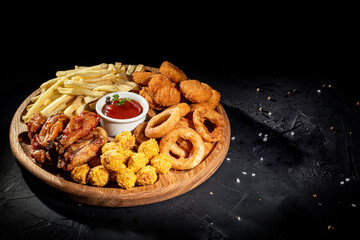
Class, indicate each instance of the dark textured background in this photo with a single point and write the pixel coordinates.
(296, 191)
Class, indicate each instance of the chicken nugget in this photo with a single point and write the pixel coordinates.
(150, 148)
(194, 91)
(126, 140)
(80, 173)
(161, 162)
(98, 176)
(158, 81)
(167, 96)
(146, 176)
(113, 160)
(143, 78)
(137, 161)
(126, 178)
(145, 93)
(172, 72)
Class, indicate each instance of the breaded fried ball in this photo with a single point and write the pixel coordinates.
(150, 148)
(98, 176)
(194, 91)
(172, 72)
(145, 93)
(126, 178)
(110, 146)
(161, 162)
(80, 173)
(113, 160)
(126, 140)
(146, 176)
(137, 161)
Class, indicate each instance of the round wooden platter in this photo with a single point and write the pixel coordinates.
(169, 185)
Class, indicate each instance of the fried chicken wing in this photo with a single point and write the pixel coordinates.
(78, 127)
(35, 124)
(83, 149)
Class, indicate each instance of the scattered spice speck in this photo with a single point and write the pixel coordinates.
(239, 218)
(233, 138)
(237, 180)
(265, 139)
(228, 159)
(315, 195)
(318, 91)
(342, 182)
(260, 109)
(292, 133)
(253, 174)
(244, 173)
(269, 98)
(261, 159)
(211, 193)
(347, 179)
(270, 113)
(353, 205)
(260, 134)
(358, 103)
(258, 89)
(332, 128)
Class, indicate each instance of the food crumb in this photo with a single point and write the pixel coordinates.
(228, 159)
(258, 89)
(347, 179)
(237, 180)
(269, 98)
(353, 205)
(238, 218)
(253, 174)
(244, 173)
(233, 138)
(330, 227)
(342, 183)
(265, 139)
(270, 113)
(358, 103)
(260, 134)
(292, 133)
(211, 193)
(261, 159)
(315, 195)
(332, 128)
(318, 91)
(260, 109)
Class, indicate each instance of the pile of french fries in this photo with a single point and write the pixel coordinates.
(75, 90)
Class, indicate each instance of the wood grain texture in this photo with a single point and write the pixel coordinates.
(170, 185)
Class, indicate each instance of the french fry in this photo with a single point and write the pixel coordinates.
(74, 84)
(130, 69)
(47, 94)
(49, 83)
(80, 91)
(140, 68)
(48, 110)
(72, 107)
(73, 72)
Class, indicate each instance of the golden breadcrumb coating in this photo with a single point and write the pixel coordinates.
(137, 161)
(161, 162)
(146, 176)
(110, 146)
(98, 176)
(126, 178)
(126, 140)
(150, 148)
(113, 160)
(80, 173)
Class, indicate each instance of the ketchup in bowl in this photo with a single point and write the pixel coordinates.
(121, 108)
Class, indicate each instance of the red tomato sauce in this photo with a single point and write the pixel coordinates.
(127, 110)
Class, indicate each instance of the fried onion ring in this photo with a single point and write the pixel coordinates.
(163, 123)
(196, 155)
(139, 133)
(200, 115)
(184, 107)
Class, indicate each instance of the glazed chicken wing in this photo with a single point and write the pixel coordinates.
(43, 135)
(78, 127)
(83, 149)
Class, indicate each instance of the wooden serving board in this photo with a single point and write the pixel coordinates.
(169, 185)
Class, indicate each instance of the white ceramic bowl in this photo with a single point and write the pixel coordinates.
(115, 126)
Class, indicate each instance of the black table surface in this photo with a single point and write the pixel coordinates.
(292, 169)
